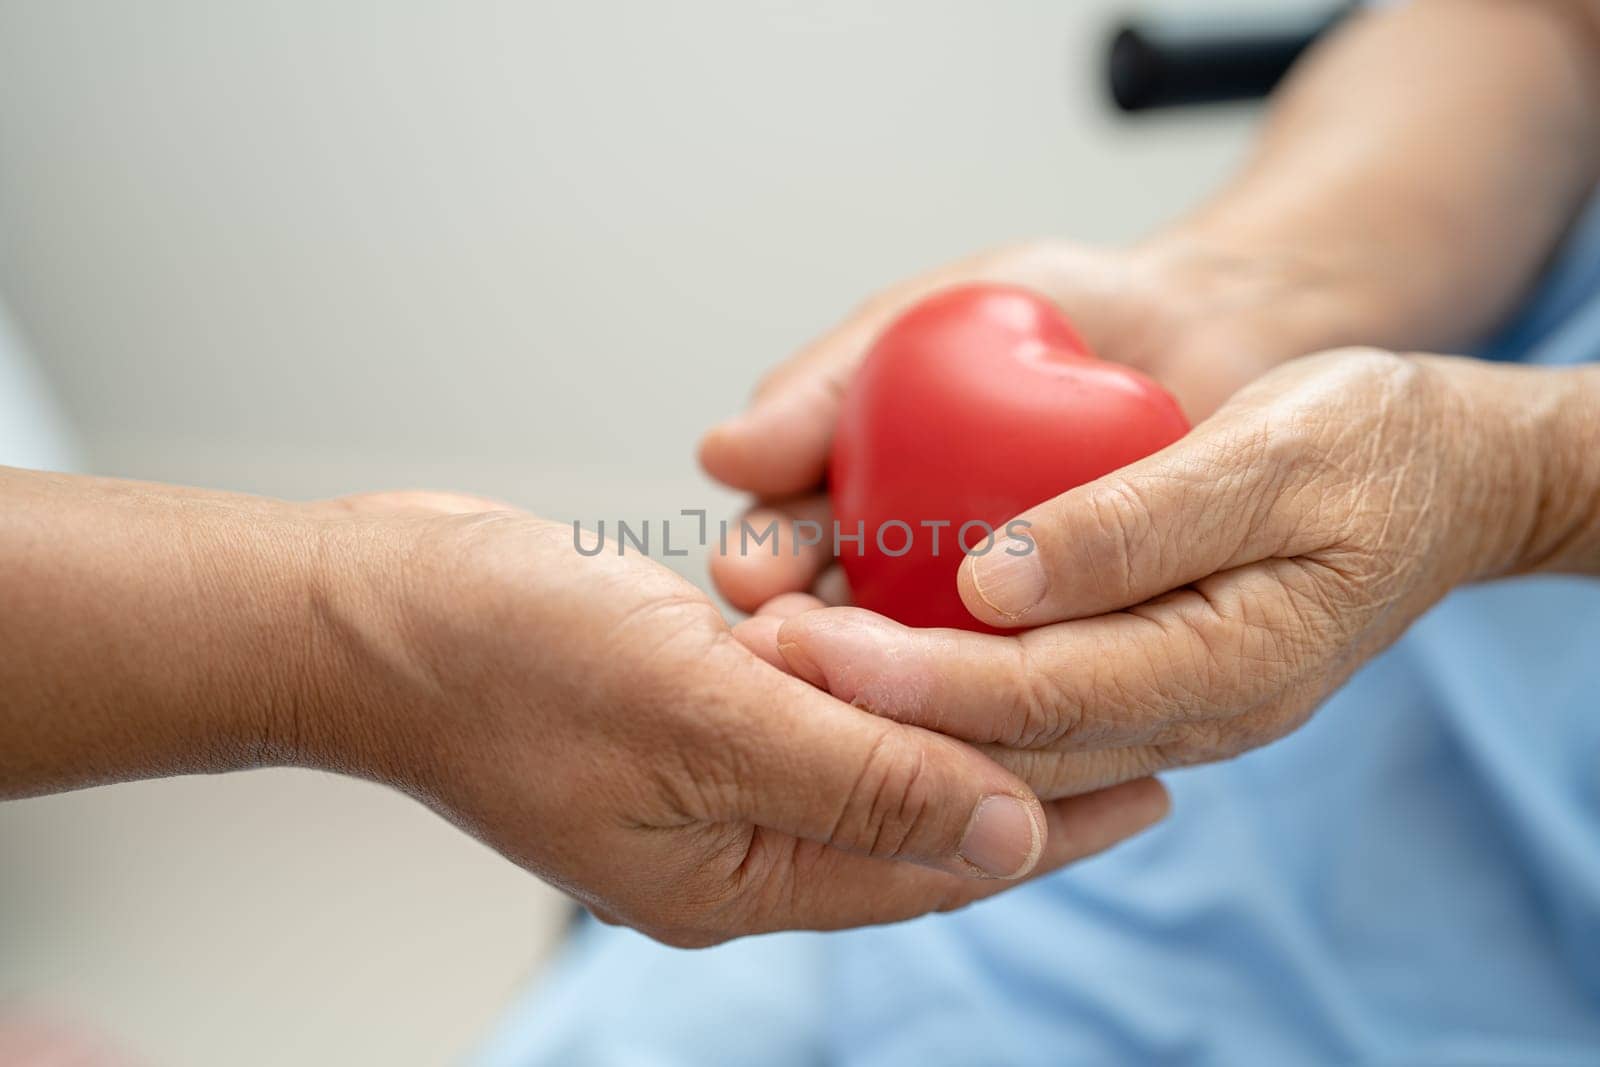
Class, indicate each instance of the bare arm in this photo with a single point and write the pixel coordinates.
(1412, 177)
(592, 718)
(146, 630)
(1425, 160)
(1421, 165)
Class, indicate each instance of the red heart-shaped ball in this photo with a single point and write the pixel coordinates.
(974, 405)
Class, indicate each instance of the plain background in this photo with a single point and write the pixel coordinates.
(304, 247)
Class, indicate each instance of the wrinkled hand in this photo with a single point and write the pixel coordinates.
(1205, 600)
(1200, 319)
(595, 721)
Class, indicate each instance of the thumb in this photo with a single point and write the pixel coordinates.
(819, 769)
(1203, 504)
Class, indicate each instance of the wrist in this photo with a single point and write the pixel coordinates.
(157, 630)
(356, 683)
(1529, 480)
(274, 566)
(415, 596)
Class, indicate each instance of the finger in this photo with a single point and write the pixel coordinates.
(978, 711)
(759, 633)
(1053, 774)
(772, 550)
(1212, 652)
(1202, 505)
(982, 688)
(779, 446)
(822, 888)
(802, 763)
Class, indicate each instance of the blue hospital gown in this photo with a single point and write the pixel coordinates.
(1413, 877)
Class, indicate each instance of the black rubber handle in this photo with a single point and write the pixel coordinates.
(1178, 62)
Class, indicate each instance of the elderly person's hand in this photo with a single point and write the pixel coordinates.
(1201, 316)
(1205, 600)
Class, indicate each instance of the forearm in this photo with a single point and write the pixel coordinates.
(146, 630)
(1419, 167)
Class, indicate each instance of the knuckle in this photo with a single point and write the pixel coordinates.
(1232, 658)
(1240, 650)
(889, 801)
(1046, 710)
(1183, 673)
(1118, 513)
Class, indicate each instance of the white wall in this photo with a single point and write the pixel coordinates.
(308, 246)
(329, 241)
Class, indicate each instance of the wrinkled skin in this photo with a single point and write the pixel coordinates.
(1203, 601)
(1200, 319)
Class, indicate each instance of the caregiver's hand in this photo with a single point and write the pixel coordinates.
(591, 718)
(1199, 315)
(1205, 600)
(594, 720)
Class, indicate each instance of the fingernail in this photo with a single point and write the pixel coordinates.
(1009, 583)
(1003, 840)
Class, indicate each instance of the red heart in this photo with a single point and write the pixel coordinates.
(974, 405)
